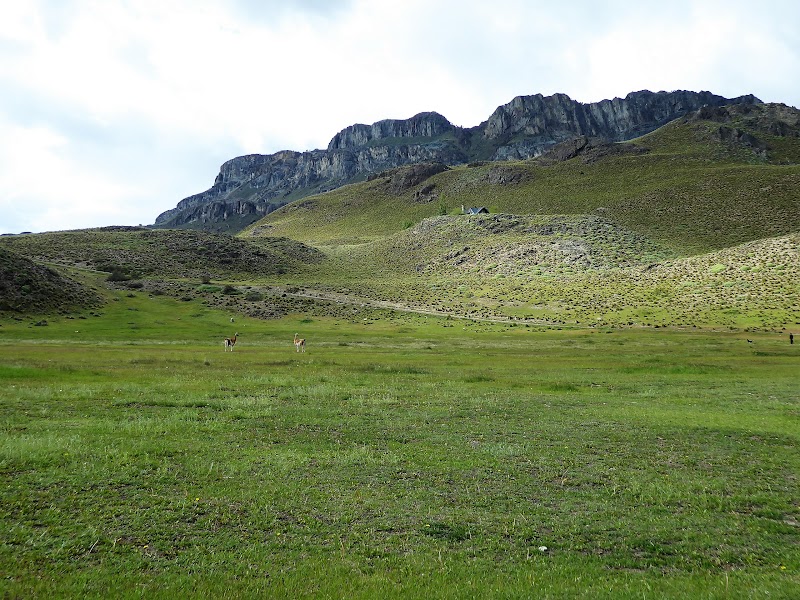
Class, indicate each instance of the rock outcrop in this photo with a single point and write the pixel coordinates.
(249, 187)
(423, 125)
(773, 120)
(529, 125)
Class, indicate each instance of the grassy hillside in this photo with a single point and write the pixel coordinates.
(33, 289)
(138, 252)
(695, 223)
(583, 271)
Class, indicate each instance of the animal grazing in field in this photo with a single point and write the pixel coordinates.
(299, 343)
(749, 341)
(231, 341)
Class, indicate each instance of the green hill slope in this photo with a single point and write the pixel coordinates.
(568, 269)
(696, 222)
(476, 249)
(139, 252)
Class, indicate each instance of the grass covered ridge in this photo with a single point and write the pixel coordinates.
(693, 224)
(138, 252)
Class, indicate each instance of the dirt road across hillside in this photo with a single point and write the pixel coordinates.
(341, 298)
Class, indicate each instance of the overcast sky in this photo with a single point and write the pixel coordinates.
(112, 111)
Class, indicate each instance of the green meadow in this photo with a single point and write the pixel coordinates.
(409, 457)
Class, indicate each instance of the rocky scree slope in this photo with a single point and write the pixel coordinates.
(249, 187)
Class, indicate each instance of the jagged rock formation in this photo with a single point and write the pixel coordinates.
(249, 187)
(776, 120)
(399, 181)
(423, 125)
(528, 125)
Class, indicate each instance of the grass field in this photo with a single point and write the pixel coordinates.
(413, 457)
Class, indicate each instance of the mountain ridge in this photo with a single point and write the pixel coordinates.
(693, 224)
(249, 187)
(697, 183)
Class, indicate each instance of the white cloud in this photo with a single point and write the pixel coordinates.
(133, 106)
(712, 46)
(45, 189)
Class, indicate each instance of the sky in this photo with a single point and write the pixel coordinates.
(112, 111)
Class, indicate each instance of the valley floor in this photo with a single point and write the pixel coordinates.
(396, 457)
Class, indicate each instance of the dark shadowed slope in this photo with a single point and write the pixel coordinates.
(27, 287)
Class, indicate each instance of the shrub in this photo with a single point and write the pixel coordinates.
(118, 275)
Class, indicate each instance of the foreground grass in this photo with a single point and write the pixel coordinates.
(406, 459)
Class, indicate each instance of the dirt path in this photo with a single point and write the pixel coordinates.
(341, 298)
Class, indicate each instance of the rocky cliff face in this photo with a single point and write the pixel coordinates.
(423, 125)
(249, 187)
(529, 125)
